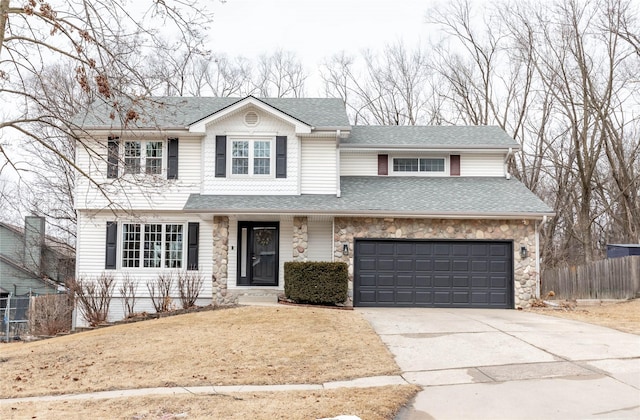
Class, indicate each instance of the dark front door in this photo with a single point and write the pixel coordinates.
(258, 253)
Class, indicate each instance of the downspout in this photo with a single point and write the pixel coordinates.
(506, 159)
(537, 235)
(338, 163)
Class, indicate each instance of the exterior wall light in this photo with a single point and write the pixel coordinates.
(345, 249)
(523, 252)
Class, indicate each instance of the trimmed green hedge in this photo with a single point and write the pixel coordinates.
(316, 282)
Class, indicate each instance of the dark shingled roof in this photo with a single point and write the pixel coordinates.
(176, 112)
(437, 136)
(420, 196)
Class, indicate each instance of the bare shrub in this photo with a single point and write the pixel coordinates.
(128, 290)
(50, 314)
(160, 291)
(189, 286)
(93, 297)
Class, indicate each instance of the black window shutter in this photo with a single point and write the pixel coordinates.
(281, 156)
(192, 249)
(221, 156)
(172, 159)
(112, 246)
(113, 149)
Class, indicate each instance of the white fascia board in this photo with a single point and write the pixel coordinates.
(200, 126)
(143, 133)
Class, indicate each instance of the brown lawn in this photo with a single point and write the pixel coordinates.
(244, 345)
(367, 403)
(623, 316)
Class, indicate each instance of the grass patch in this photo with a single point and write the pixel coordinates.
(245, 345)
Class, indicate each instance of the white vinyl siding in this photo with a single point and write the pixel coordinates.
(139, 192)
(90, 257)
(318, 166)
(319, 239)
(366, 163)
(358, 164)
(234, 128)
(482, 165)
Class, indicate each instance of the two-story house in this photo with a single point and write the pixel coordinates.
(235, 187)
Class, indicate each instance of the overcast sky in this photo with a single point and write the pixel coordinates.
(315, 29)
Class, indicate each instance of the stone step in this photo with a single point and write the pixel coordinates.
(258, 300)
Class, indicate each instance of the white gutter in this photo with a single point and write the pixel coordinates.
(537, 234)
(506, 159)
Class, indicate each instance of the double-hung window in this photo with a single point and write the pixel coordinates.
(143, 154)
(251, 157)
(152, 245)
(419, 165)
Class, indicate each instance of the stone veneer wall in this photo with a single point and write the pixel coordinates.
(220, 261)
(300, 238)
(522, 233)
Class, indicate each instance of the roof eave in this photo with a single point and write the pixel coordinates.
(383, 213)
(439, 147)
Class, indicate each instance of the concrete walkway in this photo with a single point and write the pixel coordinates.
(503, 364)
(372, 381)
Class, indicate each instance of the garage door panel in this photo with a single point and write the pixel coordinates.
(441, 281)
(405, 248)
(385, 296)
(403, 264)
(424, 248)
(424, 265)
(498, 250)
(433, 273)
(423, 281)
(479, 250)
(367, 248)
(404, 280)
(405, 297)
(480, 298)
(386, 248)
(498, 266)
(479, 266)
(385, 280)
(460, 250)
(460, 265)
(479, 281)
(442, 265)
(366, 264)
(461, 281)
(423, 298)
(442, 297)
(441, 249)
(461, 297)
(498, 282)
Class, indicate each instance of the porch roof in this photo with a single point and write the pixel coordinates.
(450, 197)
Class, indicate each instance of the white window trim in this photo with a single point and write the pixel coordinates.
(143, 158)
(141, 267)
(251, 139)
(446, 171)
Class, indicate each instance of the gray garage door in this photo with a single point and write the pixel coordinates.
(412, 273)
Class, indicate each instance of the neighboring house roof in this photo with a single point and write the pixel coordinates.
(180, 112)
(54, 244)
(392, 196)
(435, 137)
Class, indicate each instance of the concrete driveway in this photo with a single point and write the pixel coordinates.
(507, 364)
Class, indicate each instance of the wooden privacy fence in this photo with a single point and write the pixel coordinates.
(615, 278)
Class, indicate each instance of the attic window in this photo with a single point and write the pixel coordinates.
(251, 118)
